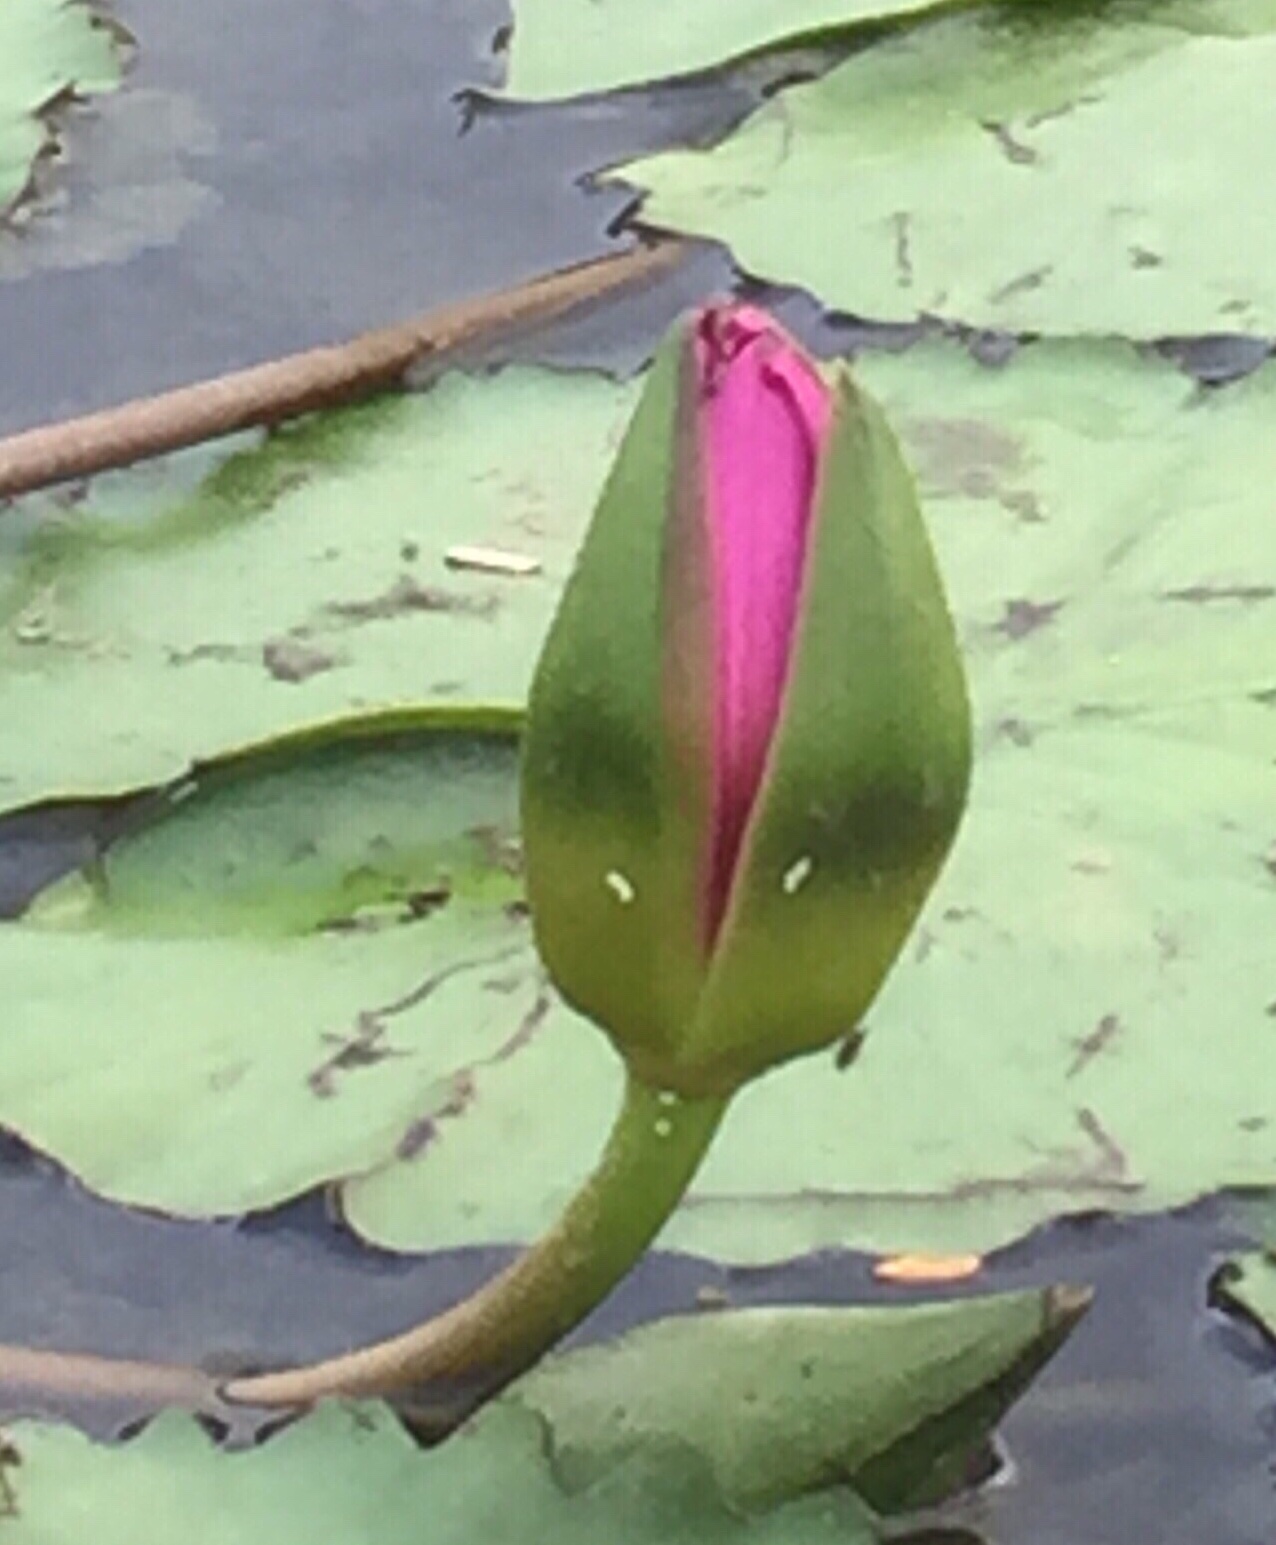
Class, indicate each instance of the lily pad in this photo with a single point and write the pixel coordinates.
(224, 1011)
(897, 1403)
(1093, 963)
(984, 169)
(580, 46)
(47, 47)
(606, 1443)
(1092, 966)
(234, 593)
(357, 1476)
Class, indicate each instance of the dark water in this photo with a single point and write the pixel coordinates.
(281, 173)
(318, 176)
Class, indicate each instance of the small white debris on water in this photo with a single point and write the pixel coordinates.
(664, 1126)
(182, 792)
(620, 887)
(667, 1097)
(797, 874)
(491, 560)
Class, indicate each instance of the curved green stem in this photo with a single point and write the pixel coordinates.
(654, 1150)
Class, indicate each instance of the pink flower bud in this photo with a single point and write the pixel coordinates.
(748, 741)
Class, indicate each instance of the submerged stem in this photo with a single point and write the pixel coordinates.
(654, 1150)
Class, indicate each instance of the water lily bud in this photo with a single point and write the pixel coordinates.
(748, 740)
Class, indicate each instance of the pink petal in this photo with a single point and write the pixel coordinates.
(764, 412)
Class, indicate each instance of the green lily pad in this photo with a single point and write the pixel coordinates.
(178, 609)
(897, 1403)
(579, 46)
(46, 47)
(225, 1010)
(323, 828)
(986, 168)
(1247, 1285)
(1093, 965)
(610, 1443)
(357, 1476)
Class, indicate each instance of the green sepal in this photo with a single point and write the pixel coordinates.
(610, 857)
(861, 797)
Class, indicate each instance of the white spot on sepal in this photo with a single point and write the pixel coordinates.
(621, 887)
(797, 874)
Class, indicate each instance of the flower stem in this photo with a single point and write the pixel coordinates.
(488, 1339)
